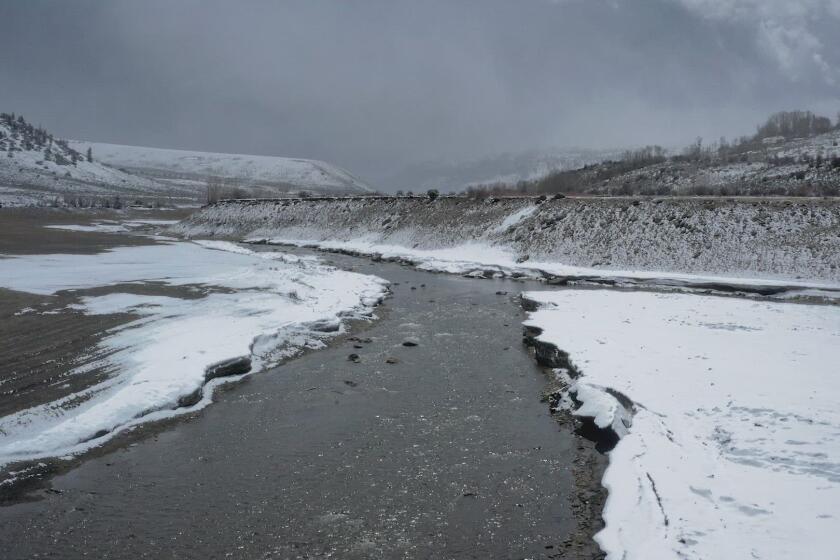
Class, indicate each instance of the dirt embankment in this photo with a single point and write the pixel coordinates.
(775, 237)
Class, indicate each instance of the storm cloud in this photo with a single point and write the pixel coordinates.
(377, 85)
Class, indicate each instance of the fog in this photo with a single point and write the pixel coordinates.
(378, 85)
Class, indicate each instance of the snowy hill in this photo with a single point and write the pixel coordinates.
(793, 167)
(252, 176)
(769, 238)
(36, 167)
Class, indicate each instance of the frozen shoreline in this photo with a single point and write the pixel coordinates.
(262, 306)
(723, 454)
(782, 240)
(483, 261)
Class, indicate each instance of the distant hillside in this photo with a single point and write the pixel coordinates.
(794, 153)
(36, 167)
(240, 175)
(505, 168)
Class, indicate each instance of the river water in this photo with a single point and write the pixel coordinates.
(447, 453)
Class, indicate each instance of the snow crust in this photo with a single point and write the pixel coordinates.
(264, 305)
(733, 451)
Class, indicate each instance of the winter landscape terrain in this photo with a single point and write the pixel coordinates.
(38, 169)
(240, 176)
(717, 454)
(667, 328)
(415, 280)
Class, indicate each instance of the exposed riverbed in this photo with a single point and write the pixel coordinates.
(448, 452)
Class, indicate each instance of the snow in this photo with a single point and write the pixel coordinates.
(261, 305)
(794, 241)
(29, 178)
(96, 227)
(481, 260)
(515, 218)
(110, 226)
(302, 173)
(733, 450)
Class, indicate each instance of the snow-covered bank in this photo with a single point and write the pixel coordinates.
(733, 451)
(789, 240)
(262, 306)
(486, 261)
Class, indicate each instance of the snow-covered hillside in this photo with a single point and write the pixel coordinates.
(783, 239)
(35, 166)
(795, 167)
(255, 176)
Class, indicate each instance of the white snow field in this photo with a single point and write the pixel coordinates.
(734, 447)
(264, 306)
(248, 170)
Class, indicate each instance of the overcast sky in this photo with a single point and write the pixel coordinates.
(376, 85)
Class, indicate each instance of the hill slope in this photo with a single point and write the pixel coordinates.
(793, 167)
(254, 176)
(770, 238)
(35, 166)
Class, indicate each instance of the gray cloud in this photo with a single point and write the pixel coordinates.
(376, 85)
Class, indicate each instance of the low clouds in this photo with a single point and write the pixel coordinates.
(791, 31)
(374, 86)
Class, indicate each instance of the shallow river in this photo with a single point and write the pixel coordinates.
(447, 453)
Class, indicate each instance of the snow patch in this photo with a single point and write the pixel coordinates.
(268, 308)
(515, 218)
(733, 449)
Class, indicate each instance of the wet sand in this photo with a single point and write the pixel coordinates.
(22, 231)
(448, 452)
(41, 339)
